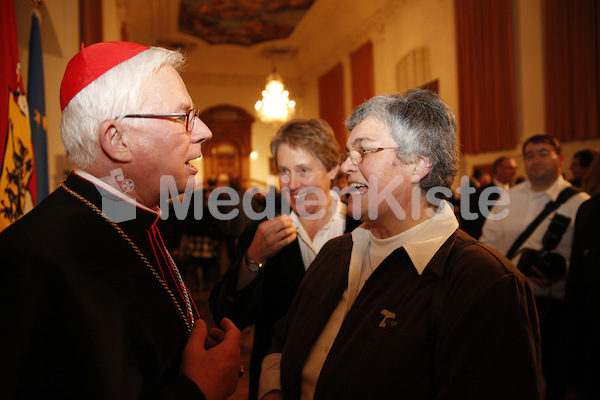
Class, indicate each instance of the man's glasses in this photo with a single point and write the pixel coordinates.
(532, 155)
(187, 118)
(356, 156)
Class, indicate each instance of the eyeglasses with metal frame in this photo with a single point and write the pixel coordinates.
(187, 118)
(356, 156)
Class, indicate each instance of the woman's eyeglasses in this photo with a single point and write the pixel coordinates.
(356, 156)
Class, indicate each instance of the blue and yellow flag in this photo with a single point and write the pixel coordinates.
(37, 109)
(17, 177)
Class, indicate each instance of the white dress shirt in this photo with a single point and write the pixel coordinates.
(333, 228)
(504, 186)
(523, 207)
(120, 198)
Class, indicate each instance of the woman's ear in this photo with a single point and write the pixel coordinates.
(113, 141)
(333, 172)
(421, 170)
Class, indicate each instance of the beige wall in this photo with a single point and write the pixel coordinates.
(396, 30)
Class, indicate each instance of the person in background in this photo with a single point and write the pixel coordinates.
(407, 306)
(581, 164)
(504, 170)
(544, 253)
(198, 251)
(93, 306)
(273, 255)
(582, 299)
(480, 178)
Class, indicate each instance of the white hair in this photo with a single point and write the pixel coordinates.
(113, 94)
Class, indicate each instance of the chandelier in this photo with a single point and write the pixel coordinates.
(275, 105)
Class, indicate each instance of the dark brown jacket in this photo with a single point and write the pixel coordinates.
(481, 343)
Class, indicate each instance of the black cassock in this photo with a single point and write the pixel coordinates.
(83, 315)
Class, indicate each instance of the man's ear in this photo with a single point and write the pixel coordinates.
(114, 144)
(422, 168)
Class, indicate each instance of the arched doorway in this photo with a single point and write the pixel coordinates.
(225, 159)
(228, 153)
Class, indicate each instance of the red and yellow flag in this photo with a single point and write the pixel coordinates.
(17, 177)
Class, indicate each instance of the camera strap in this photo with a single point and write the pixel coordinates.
(563, 196)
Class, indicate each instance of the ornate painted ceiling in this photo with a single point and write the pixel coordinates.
(243, 38)
(241, 22)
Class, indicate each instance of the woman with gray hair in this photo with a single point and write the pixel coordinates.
(407, 306)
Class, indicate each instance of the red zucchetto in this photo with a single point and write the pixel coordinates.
(91, 62)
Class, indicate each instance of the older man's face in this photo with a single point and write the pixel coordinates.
(380, 178)
(163, 147)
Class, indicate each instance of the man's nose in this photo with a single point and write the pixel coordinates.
(200, 133)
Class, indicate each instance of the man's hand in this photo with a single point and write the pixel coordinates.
(271, 236)
(213, 363)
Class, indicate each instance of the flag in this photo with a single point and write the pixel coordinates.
(17, 177)
(37, 109)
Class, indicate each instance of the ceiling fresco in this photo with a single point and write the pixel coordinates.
(241, 22)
